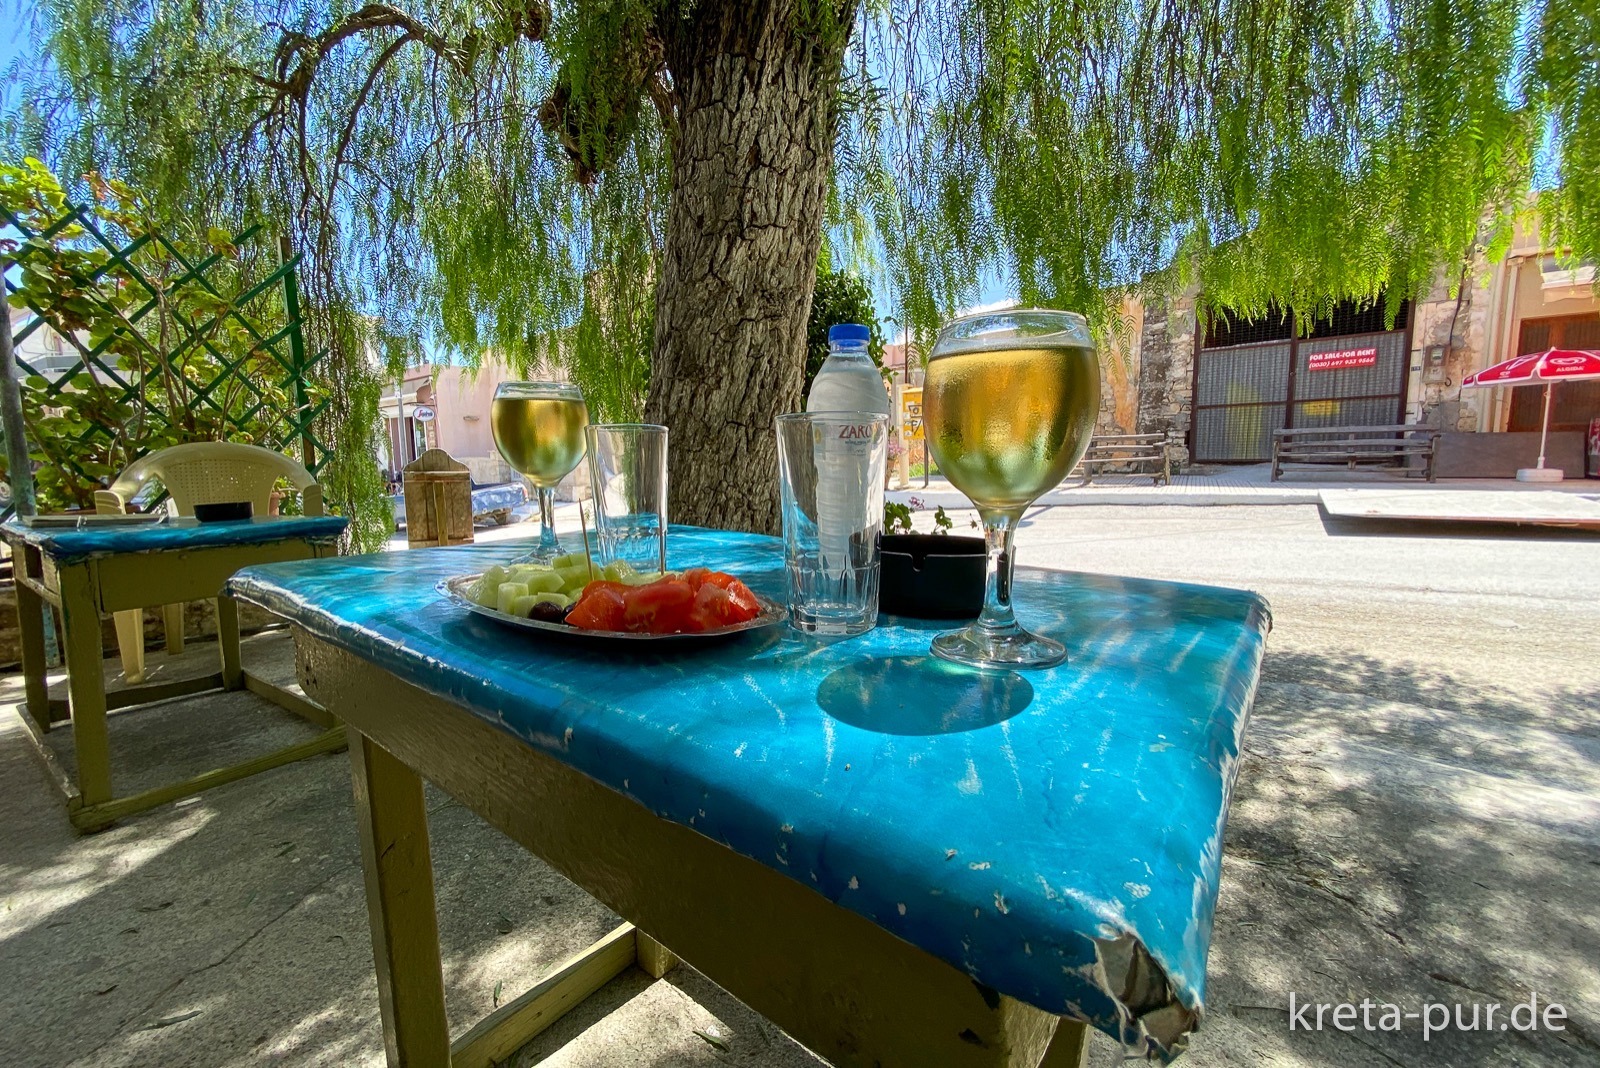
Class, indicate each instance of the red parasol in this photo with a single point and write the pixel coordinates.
(1536, 368)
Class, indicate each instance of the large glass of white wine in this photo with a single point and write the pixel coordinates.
(538, 428)
(1009, 403)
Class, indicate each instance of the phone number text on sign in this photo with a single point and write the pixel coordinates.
(1333, 361)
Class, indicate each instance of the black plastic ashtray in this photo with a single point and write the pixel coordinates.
(219, 513)
(931, 576)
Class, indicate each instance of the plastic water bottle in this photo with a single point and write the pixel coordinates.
(847, 382)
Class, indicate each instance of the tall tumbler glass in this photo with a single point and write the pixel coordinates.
(628, 474)
(830, 474)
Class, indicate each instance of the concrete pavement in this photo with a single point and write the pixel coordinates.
(1417, 820)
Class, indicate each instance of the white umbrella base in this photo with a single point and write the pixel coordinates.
(1540, 474)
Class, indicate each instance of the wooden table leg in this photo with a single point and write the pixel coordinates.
(228, 642)
(86, 685)
(405, 930)
(655, 959)
(30, 632)
(1069, 1046)
(130, 644)
(172, 626)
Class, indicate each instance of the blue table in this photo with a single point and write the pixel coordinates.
(102, 568)
(895, 859)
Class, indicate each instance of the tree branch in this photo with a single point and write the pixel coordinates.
(355, 109)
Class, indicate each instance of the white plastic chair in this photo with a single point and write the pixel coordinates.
(200, 472)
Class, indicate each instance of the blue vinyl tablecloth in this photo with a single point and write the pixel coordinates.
(67, 544)
(1056, 834)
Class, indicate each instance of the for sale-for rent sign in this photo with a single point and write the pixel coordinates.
(1341, 358)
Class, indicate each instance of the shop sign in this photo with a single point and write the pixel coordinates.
(1339, 359)
(911, 413)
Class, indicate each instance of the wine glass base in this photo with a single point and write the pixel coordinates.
(541, 554)
(1011, 648)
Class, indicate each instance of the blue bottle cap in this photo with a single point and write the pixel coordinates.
(848, 332)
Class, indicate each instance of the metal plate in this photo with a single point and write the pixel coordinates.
(454, 588)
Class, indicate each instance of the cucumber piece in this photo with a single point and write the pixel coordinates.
(644, 578)
(618, 571)
(570, 560)
(574, 578)
(543, 582)
(507, 594)
(521, 605)
(493, 577)
(560, 600)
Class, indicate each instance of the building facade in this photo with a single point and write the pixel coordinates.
(1224, 386)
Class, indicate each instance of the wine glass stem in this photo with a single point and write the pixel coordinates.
(999, 528)
(548, 545)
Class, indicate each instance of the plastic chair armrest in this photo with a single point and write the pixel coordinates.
(109, 502)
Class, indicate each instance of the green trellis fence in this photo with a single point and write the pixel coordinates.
(242, 375)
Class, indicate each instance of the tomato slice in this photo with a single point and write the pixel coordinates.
(711, 609)
(661, 607)
(746, 607)
(600, 608)
(744, 602)
(604, 584)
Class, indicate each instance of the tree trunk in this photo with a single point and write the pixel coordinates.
(749, 188)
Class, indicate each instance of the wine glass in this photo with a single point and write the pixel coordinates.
(538, 428)
(1010, 400)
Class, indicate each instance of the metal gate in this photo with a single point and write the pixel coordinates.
(1253, 378)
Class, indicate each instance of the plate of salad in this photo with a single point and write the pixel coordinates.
(569, 597)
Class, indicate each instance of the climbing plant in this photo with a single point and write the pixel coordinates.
(168, 338)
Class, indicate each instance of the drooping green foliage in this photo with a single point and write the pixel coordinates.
(1564, 81)
(495, 174)
(838, 297)
(1301, 151)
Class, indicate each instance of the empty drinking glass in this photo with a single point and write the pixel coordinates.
(628, 474)
(830, 474)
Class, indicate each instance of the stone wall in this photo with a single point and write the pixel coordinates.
(1463, 338)
(1166, 364)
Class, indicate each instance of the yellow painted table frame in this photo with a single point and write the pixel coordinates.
(83, 590)
(840, 984)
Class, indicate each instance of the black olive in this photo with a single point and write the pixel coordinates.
(546, 612)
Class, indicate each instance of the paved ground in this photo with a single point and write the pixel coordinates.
(1417, 820)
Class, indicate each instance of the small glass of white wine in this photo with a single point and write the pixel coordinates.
(538, 428)
(1010, 400)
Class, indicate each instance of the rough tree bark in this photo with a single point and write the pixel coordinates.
(749, 188)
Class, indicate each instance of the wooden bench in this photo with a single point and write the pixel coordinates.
(1149, 454)
(1353, 445)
